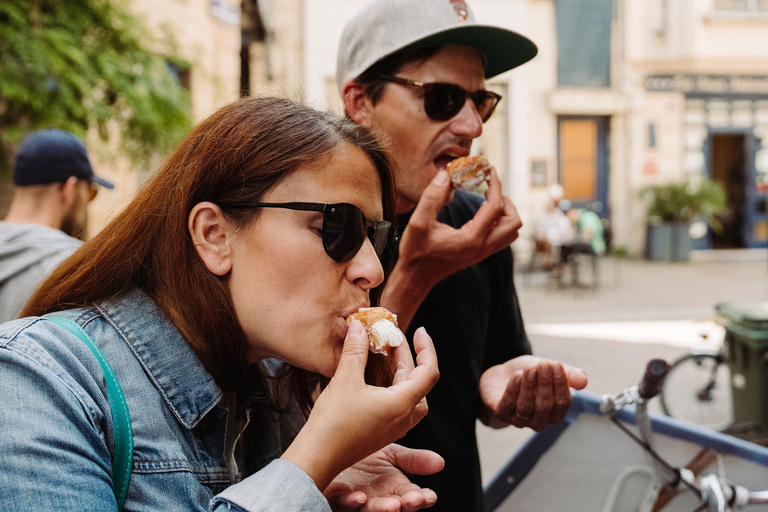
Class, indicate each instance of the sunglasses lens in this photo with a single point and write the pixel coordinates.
(378, 234)
(443, 101)
(345, 229)
(485, 102)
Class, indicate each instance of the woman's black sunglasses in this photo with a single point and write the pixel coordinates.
(443, 101)
(345, 229)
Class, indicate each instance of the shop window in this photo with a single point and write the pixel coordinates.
(583, 56)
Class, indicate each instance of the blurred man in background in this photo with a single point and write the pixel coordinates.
(53, 184)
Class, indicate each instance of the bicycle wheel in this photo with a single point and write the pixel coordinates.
(697, 389)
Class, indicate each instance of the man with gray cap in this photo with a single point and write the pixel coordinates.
(415, 70)
(53, 184)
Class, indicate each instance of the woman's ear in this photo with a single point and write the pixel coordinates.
(356, 103)
(212, 237)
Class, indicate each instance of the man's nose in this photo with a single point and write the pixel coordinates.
(468, 121)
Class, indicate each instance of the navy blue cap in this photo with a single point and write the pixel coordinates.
(51, 156)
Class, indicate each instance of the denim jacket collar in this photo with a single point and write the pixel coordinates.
(169, 361)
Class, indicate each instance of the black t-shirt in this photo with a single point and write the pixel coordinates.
(474, 320)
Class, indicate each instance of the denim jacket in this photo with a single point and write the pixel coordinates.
(190, 451)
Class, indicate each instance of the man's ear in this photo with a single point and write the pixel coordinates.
(212, 237)
(356, 103)
(68, 191)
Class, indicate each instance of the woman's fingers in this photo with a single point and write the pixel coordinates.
(402, 362)
(354, 355)
(426, 373)
(425, 349)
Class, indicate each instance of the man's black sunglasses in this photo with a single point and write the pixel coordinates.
(345, 228)
(443, 101)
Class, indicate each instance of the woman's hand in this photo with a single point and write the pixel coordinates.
(351, 420)
(377, 483)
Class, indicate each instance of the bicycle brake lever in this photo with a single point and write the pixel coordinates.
(712, 492)
(655, 372)
(610, 404)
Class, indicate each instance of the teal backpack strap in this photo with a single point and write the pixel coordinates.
(121, 419)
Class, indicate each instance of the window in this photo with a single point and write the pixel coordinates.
(182, 74)
(583, 54)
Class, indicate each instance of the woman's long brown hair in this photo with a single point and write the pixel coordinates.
(235, 155)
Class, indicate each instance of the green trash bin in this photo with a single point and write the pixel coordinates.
(746, 337)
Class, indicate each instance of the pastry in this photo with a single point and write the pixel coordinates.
(468, 172)
(381, 325)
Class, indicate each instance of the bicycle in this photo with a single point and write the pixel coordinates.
(611, 455)
(714, 492)
(697, 389)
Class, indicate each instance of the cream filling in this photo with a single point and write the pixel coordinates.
(384, 334)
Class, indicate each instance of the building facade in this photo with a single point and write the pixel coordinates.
(207, 35)
(623, 94)
(652, 92)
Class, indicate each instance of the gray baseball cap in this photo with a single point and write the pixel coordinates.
(385, 27)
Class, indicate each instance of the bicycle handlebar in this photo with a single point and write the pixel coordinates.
(719, 495)
(655, 371)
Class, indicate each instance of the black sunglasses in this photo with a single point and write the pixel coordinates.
(443, 101)
(345, 228)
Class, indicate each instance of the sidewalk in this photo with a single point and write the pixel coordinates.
(641, 290)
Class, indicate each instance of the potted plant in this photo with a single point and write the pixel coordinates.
(673, 208)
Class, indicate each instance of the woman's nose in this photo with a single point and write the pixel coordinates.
(365, 267)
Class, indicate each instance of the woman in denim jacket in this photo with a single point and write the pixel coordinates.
(193, 294)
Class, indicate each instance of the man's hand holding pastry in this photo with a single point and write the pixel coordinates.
(431, 250)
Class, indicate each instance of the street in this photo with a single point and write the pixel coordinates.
(641, 310)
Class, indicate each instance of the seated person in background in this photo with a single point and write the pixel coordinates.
(552, 228)
(256, 239)
(587, 237)
(53, 182)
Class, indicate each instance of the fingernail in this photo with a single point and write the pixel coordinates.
(558, 371)
(441, 178)
(546, 371)
(531, 376)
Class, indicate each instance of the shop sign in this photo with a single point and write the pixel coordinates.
(752, 85)
(650, 168)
